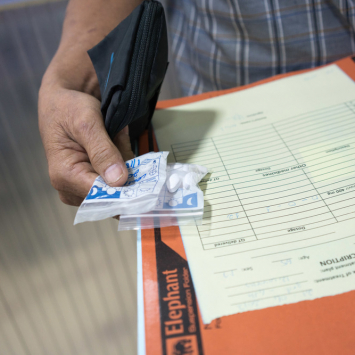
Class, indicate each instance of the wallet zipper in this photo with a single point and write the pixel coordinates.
(133, 104)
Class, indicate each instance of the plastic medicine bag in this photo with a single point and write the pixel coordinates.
(146, 177)
(183, 206)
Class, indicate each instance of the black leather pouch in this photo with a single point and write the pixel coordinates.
(130, 63)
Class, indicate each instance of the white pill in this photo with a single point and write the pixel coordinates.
(190, 179)
(173, 203)
(111, 191)
(177, 166)
(173, 182)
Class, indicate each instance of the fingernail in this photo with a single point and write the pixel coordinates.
(113, 173)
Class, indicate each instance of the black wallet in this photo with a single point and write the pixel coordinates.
(130, 63)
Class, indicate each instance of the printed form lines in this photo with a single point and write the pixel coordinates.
(265, 280)
(283, 209)
(299, 128)
(275, 296)
(272, 246)
(308, 246)
(297, 119)
(285, 176)
(267, 288)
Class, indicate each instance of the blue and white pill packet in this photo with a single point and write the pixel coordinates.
(184, 205)
(146, 177)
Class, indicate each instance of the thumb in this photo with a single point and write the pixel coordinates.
(104, 156)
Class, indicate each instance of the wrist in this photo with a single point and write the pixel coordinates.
(71, 69)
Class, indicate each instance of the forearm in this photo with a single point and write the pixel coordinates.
(86, 23)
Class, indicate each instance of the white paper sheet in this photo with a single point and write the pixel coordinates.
(279, 214)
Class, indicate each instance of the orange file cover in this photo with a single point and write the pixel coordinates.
(322, 326)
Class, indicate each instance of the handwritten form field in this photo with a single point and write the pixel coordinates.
(279, 219)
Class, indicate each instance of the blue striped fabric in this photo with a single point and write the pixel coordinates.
(219, 44)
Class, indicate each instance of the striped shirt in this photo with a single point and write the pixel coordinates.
(219, 44)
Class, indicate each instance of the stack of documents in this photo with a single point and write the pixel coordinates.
(279, 218)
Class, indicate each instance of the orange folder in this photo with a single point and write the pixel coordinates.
(173, 325)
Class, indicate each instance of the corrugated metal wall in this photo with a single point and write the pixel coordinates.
(63, 289)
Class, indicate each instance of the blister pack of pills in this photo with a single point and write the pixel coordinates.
(146, 177)
(180, 201)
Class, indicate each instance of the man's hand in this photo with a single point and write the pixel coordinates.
(77, 145)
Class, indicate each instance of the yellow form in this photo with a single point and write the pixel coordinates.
(279, 216)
